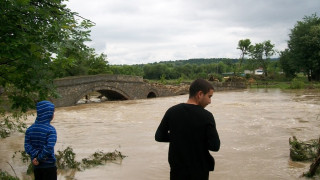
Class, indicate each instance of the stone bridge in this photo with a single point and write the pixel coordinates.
(113, 87)
(121, 87)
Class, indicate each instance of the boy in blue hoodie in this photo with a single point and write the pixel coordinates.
(40, 140)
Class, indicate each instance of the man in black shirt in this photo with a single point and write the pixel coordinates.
(191, 132)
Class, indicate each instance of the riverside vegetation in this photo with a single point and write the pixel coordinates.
(66, 161)
(307, 151)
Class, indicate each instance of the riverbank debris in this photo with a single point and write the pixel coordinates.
(306, 151)
(66, 160)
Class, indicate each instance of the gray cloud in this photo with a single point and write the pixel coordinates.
(143, 31)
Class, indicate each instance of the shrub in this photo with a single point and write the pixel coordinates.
(297, 84)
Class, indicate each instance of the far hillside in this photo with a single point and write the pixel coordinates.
(200, 61)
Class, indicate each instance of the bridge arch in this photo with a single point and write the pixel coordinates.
(151, 95)
(110, 92)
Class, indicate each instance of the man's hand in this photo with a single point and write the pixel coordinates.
(35, 162)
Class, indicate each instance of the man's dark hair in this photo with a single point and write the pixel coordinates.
(199, 85)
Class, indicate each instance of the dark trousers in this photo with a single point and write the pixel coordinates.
(184, 175)
(45, 173)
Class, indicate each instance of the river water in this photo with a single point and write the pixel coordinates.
(254, 127)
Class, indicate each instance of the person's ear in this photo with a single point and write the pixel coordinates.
(199, 94)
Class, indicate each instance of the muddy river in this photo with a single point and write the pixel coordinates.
(254, 127)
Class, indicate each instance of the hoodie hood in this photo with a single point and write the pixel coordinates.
(45, 110)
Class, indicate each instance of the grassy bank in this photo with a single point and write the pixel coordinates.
(300, 82)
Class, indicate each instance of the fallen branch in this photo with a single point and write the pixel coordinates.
(303, 151)
(314, 166)
(13, 169)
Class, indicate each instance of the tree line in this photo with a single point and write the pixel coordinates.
(191, 69)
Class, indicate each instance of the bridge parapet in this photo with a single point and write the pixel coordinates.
(75, 80)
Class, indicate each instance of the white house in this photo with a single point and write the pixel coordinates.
(258, 71)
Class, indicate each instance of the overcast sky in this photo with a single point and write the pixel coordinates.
(144, 31)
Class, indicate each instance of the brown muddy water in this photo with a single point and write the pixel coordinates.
(254, 127)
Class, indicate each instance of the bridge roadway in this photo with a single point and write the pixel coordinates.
(113, 87)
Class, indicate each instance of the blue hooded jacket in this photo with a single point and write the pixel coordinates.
(41, 137)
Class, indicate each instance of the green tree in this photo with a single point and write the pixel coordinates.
(74, 57)
(261, 54)
(244, 46)
(134, 70)
(155, 71)
(304, 48)
(221, 68)
(231, 66)
(33, 34)
(185, 70)
(287, 64)
(76, 63)
(98, 65)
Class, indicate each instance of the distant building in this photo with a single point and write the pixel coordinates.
(258, 71)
